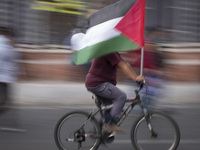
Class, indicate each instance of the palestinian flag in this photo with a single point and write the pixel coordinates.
(117, 27)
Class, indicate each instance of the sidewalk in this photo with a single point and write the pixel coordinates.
(76, 93)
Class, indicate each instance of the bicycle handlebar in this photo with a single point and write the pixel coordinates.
(141, 85)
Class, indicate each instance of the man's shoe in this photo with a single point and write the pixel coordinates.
(112, 128)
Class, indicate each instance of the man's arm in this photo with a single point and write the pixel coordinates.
(128, 71)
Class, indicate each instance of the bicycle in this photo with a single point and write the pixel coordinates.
(81, 130)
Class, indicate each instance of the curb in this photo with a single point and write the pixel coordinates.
(76, 93)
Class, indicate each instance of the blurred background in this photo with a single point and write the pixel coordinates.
(42, 31)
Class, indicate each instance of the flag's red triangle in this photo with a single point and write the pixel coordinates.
(132, 24)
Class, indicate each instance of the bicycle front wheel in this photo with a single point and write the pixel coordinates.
(77, 130)
(165, 136)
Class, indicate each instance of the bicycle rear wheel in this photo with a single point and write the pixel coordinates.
(77, 130)
(166, 135)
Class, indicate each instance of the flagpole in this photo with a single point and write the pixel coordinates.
(142, 61)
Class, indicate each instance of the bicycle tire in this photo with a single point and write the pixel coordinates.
(166, 129)
(67, 127)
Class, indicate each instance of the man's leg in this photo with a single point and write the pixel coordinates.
(118, 98)
(111, 94)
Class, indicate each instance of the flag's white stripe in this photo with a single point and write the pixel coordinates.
(96, 34)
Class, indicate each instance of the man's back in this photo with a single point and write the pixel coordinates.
(103, 69)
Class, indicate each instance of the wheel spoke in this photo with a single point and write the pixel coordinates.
(69, 136)
(164, 133)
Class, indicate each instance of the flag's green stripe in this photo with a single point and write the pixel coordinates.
(119, 43)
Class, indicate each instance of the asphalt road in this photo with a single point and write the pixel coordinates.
(30, 127)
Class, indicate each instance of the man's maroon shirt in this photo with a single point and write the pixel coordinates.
(103, 69)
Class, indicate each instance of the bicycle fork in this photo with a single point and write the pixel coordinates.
(148, 120)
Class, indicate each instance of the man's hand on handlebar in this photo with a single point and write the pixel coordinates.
(140, 79)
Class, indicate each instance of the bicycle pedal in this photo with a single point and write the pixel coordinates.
(112, 134)
(108, 137)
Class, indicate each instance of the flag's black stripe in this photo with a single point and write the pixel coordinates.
(115, 10)
(81, 26)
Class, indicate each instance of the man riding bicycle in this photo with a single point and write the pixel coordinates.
(101, 80)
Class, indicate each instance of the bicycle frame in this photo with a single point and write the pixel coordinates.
(125, 112)
(80, 133)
